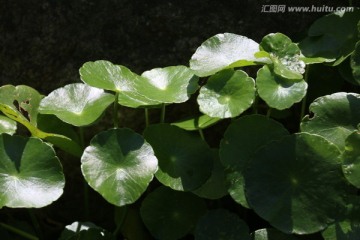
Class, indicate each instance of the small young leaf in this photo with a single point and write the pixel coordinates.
(221, 51)
(31, 174)
(355, 63)
(277, 92)
(227, 94)
(196, 123)
(296, 183)
(77, 104)
(171, 214)
(185, 160)
(336, 116)
(119, 164)
(221, 224)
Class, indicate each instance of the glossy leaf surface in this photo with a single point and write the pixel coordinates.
(277, 92)
(221, 51)
(285, 56)
(221, 224)
(30, 173)
(227, 94)
(77, 104)
(336, 116)
(185, 160)
(270, 234)
(351, 159)
(241, 139)
(196, 123)
(171, 214)
(7, 125)
(85, 231)
(296, 183)
(119, 164)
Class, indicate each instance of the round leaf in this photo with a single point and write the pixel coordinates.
(215, 187)
(296, 184)
(336, 116)
(241, 139)
(185, 160)
(221, 51)
(270, 234)
(221, 224)
(196, 123)
(169, 85)
(77, 104)
(227, 94)
(119, 164)
(7, 125)
(30, 173)
(171, 214)
(355, 63)
(351, 159)
(277, 92)
(85, 231)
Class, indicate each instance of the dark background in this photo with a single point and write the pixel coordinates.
(44, 43)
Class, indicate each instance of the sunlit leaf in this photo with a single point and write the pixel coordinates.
(297, 184)
(85, 231)
(336, 116)
(170, 214)
(227, 94)
(185, 160)
(119, 164)
(31, 175)
(196, 123)
(241, 139)
(221, 51)
(221, 224)
(7, 125)
(77, 104)
(277, 92)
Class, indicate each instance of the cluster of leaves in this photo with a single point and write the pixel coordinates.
(300, 183)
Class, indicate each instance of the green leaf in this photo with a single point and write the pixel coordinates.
(7, 125)
(241, 139)
(345, 230)
(296, 183)
(285, 56)
(221, 51)
(337, 41)
(351, 159)
(227, 94)
(85, 231)
(355, 63)
(215, 187)
(171, 214)
(277, 92)
(336, 116)
(185, 160)
(119, 161)
(30, 173)
(221, 224)
(77, 104)
(196, 123)
(270, 234)
(172, 84)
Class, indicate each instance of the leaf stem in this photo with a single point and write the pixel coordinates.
(86, 200)
(202, 134)
(268, 113)
(18, 231)
(162, 116)
(122, 219)
(115, 113)
(255, 104)
(303, 102)
(35, 223)
(147, 122)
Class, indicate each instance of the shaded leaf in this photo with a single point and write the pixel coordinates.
(351, 159)
(196, 123)
(355, 63)
(270, 234)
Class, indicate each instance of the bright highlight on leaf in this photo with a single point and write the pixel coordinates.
(30, 173)
(7, 125)
(227, 94)
(223, 51)
(119, 164)
(77, 104)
